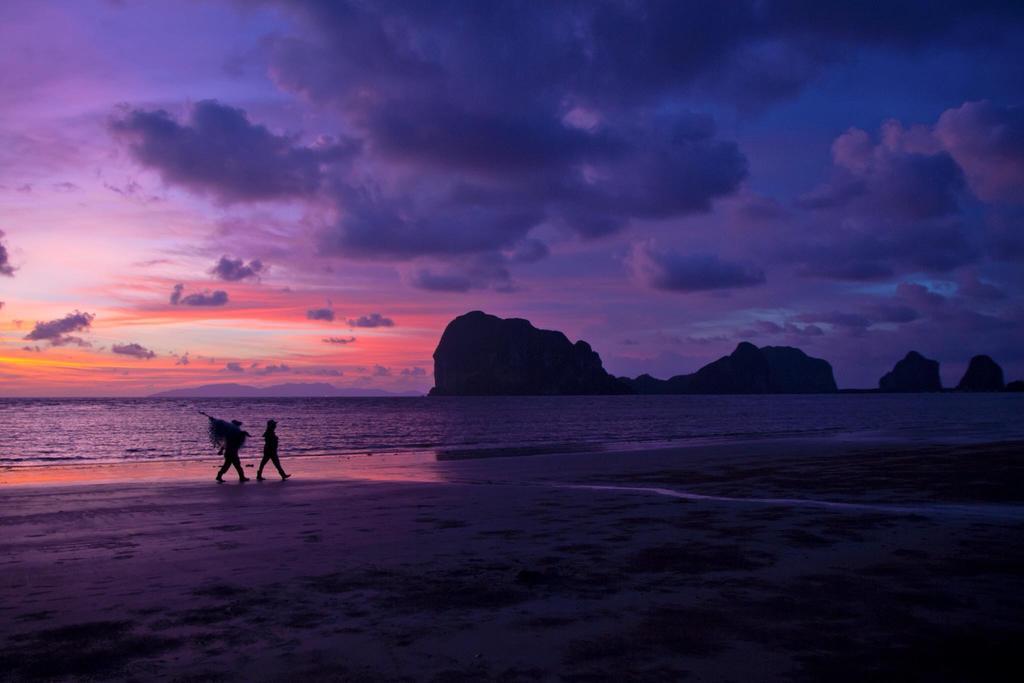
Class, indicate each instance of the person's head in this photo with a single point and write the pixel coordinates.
(271, 425)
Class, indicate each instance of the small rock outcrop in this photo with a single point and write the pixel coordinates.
(983, 374)
(484, 355)
(914, 373)
(1015, 385)
(748, 370)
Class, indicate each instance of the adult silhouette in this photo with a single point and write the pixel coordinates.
(229, 437)
(270, 442)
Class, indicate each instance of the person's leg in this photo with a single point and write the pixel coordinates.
(277, 464)
(237, 462)
(224, 468)
(263, 463)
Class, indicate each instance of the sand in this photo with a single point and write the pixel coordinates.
(777, 560)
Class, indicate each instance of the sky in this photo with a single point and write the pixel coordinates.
(307, 191)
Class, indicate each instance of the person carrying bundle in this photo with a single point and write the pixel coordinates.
(228, 438)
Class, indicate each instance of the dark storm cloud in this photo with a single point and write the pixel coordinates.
(371, 320)
(217, 297)
(134, 350)
(658, 167)
(58, 332)
(326, 314)
(606, 52)
(672, 271)
(569, 114)
(5, 263)
(218, 151)
(234, 270)
(391, 228)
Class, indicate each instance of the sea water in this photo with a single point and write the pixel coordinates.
(51, 431)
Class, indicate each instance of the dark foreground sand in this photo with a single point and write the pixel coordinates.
(510, 569)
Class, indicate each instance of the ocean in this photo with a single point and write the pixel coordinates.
(38, 432)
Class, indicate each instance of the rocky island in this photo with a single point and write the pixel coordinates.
(481, 354)
(914, 373)
(748, 370)
(983, 374)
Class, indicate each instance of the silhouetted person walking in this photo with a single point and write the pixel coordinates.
(229, 437)
(270, 451)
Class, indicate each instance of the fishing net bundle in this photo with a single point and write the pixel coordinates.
(220, 431)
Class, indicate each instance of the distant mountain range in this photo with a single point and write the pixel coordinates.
(289, 390)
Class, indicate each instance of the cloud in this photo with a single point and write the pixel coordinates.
(569, 115)
(658, 167)
(57, 332)
(970, 285)
(273, 369)
(425, 278)
(205, 298)
(182, 359)
(987, 140)
(853, 322)
(413, 372)
(219, 152)
(5, 263)
(371, 320)
(320, 314)
(671, 271)
(897, 202)
(381, 371)
(234, 270)
(604, 54)
(234, 367)
(481, 271)
(134, 350)
(339, 340)
(902, 176)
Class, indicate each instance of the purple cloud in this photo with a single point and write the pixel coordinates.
(58, 332)
(205, 298)
(671, 271)
(341, 341)
(326, 314)
(5, 263)
(218, 151)
(987, 140)
(233, 270)
(371, 320)
(134, 350)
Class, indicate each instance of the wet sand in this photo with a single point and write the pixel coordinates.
(760, 561)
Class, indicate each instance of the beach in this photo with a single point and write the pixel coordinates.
(762, 560)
